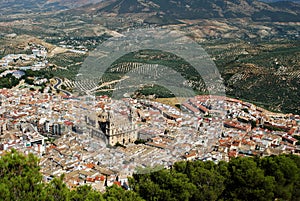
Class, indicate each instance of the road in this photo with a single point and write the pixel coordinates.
(57, 86)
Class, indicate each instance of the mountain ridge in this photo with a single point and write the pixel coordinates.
(204, 9)
(281, 11)
(29, 6)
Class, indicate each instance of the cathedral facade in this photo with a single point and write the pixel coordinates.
(114, 128)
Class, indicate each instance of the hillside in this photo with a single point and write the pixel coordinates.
(255, 44)
(176, 9)
(270, 1)
(205, 9)
(29, 6)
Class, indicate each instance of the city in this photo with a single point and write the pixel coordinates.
(96, 139)
(149, 100)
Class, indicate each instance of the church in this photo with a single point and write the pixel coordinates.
(113, 127)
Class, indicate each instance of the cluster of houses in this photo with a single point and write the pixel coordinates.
(35, 61)
(60, 130)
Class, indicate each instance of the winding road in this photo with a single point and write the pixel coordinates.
(57, 86)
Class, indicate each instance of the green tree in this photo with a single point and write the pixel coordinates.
(296, 191)
(206, 176)
(248, 182)
(115, 193)
(164, 185)
(210, 184)
(19, 177)
(142, 184)
(85, 193)
(8, 81)
(56, 190)
(286, 174)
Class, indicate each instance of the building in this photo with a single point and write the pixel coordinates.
(289, 139)
(114, 127)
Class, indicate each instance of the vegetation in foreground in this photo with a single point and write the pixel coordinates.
(268, 178)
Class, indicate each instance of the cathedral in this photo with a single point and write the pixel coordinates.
(114, 127)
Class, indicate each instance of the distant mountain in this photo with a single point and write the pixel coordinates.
(290, 5)
(29, 6)
(72, 3)
(171, 10)
(271, 1)
(207, 9)
(257, 56)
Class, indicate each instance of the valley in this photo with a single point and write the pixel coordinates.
(252, 47)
